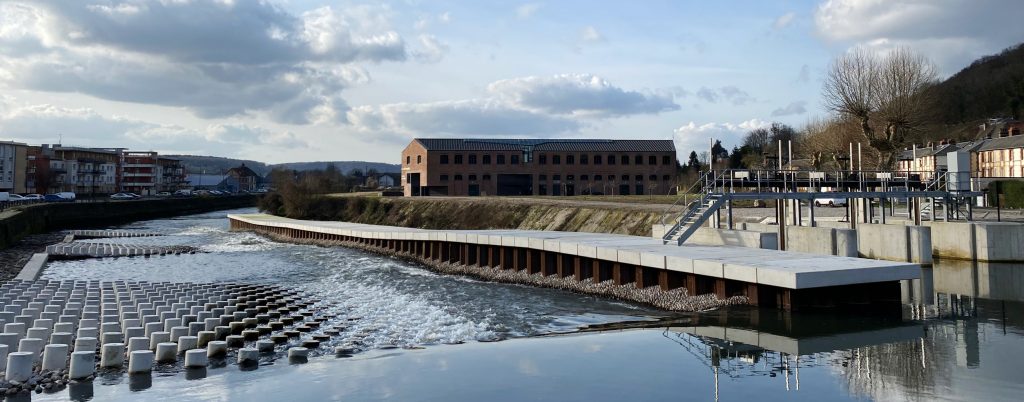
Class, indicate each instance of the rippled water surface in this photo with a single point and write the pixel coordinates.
(959, 337)
(397, 302)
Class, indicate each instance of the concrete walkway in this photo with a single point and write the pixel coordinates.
(790, 270)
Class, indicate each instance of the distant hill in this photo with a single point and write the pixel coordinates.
(219, 165)
(344, 166)
(992, 86)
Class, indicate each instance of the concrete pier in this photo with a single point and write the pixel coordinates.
(772, 278)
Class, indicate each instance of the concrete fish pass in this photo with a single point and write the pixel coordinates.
(767, 278)
(56, 333)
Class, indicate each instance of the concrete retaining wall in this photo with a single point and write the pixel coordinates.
(982, 241)
(725, 237)
(41, 218)
(894, 242)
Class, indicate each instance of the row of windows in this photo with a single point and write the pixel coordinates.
(570, 177)
(556, 159)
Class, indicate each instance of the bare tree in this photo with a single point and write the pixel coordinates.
(887, 95)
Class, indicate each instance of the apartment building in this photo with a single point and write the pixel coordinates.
(13, 166)
(58, 168)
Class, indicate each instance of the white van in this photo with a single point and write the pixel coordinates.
(5, 196)
(67, 195)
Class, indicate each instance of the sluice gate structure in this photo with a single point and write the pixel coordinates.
(767, 278)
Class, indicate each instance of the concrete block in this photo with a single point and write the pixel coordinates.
(711, 268)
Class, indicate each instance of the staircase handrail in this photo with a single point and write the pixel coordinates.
(685, 195)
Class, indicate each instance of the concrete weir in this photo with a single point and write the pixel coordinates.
(769, 278)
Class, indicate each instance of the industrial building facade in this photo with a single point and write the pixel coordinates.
(508, 167)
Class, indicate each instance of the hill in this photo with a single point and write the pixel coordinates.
(344, 166)
(992, 86)
(219, 165)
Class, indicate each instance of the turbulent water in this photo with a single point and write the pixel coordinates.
(395, 302)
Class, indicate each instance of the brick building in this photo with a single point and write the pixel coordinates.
(457, 167)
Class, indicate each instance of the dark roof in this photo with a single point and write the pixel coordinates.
(1016, 141)
(243, 171)
(570, 145)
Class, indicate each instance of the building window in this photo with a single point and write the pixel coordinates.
(666, 160)
(625, 177)
(638, 160)
(542, 189)
(583, 159)
(652, 177)
(597, 159)
(624, 160)
(570, 159)
(666, 177)
(542, 177)
(611, 159)
(472, 177)
(458, 159)
(542, 159)
(638, 177)
(556, 177)
(584, 177)
(514, 159)
(556, 159)
(444, 177)
(487, 177)
(458, 177)
(487, 159)
(501, 159)
(472, 159)
(598, 177)
(652, 160)
(570, 177)
(419, 159)
(408, 160)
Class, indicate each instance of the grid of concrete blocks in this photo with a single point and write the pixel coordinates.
(79, 326)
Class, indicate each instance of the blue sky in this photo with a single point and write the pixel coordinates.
(299, 80)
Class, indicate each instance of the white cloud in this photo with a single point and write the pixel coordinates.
(578, 94)
(729, 93)
(458, 118)
(805, 74)
(87, 127)
(951, 32)
(527, 106)
(214, 59)
(798, 107)
(693, 136)
(784, 20)
(431, 49)
(527, 10)
(590, 34)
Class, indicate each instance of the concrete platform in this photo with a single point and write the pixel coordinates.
(782, 269)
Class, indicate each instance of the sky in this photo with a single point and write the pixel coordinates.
(305, 80)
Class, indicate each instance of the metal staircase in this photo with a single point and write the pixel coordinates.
(696, 211)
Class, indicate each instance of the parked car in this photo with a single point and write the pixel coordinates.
(16, 198)
(830, 201)
(33, 197)
(133, 195)
(163, 194)
(182, 193)
(55, 198)
(66, 195)
(201, 193)
(121, 196)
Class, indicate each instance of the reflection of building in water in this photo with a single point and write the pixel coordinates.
(969, 303)
(780, 345)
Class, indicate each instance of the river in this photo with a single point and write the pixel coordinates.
(960, 335)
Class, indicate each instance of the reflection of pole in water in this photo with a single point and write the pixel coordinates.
(797, 360)
(716, 382)
(785, 367)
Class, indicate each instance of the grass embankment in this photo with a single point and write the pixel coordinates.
(470, 213)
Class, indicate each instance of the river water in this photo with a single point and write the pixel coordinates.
(960, 336)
